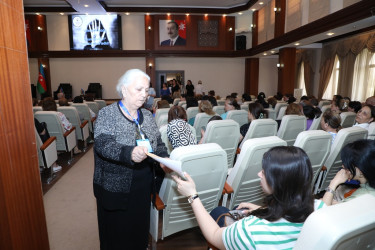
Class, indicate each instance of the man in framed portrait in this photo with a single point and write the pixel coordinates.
(174, 38)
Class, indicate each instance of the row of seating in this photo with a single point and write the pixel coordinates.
(207, 165)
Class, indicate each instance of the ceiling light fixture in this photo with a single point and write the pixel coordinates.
(187, 14)
(239, 13)
(206, 15)
(127, 13)
(264, 53)
(260, 3)
(330, 34)
(61, 13)
(296, 44)
(86, 5)
(224, 15)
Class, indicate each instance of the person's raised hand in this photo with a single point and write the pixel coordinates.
(186, 188)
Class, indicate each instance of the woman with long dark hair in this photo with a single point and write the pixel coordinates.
(285, 177)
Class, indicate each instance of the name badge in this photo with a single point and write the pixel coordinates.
(145, 143)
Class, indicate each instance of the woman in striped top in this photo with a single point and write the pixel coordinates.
(285, 177)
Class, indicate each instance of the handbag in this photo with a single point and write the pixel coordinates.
(231, 217)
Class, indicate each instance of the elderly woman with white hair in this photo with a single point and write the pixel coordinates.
(124, 177)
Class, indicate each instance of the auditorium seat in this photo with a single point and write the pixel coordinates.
(243, 178)
(333, 163)
(260, 128)
(347, 119)
(324, 103)
(101, 103)
(244, 107)
(240, 116)
(162, 120)
(218, 110)
(315, 125)
(65, 141)
(271, 113)
(220, 102)
(278, 107)
(325, 108)
(290, 127)
(201, 120)
(82, 128)
(317, 145)
(348, 225)
(206, 164)
(155, 102)
(371, 131)
(47, 154)
(159, 112)
(84, 109)
(164, 138)
(281, 113)
(94, 107)
(192, 112)
(37, 108)
(225, 133)
(180, 103)
(176, 101)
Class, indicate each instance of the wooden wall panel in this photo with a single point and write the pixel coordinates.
(251, 76)
(39, 40)
(286, 81)
(280, 6)
(22, 216)
(254, 30)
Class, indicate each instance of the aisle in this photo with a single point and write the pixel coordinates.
(70, 208)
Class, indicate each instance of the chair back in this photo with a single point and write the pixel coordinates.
(260, 128)
(180, 103)
(164, 138)
(281, 113)
(325, 108)
(200, 121)
(315, 125)
(206, 164)
(348, 225)
(317, 145)
(225, 133)
(244, 107)
(72, 115)
(162, 120)
(347, 119)
(220, 102)
(334, 162)
(159, 112)
(94, 106)
(290, 127)
(192, 112)
(176, 101)
(371, 131)
(323, 103)
(101, 103)
(37, 108)
(243, 178)
(84, 109)
(278, 106)
(55, 128)
(240, 116)
(154, 104)
(271, 113)
(218, 110)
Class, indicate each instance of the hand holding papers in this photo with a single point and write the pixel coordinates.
(172, 164)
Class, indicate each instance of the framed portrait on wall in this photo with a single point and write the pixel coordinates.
(172, 32)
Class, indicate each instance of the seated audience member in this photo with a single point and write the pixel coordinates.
(262, 101)
(211, 99)
(313, 101)
(178, 130)
(278, 96)
(291, 109)
(291, 99)
(230, 104)
(165, 90)
(246, 98)
(354, 106)
(35, 102)
(365, 116)
(206, 107)
(358, 161)
(370, 101)
(256, 111)
(272, 102)
(285, 178)
(79, 99)
(162, 104)
(211, 93)
(203, 129)
(63, 102)
(338, 105)
(347, 99)
(310, 112)
(167, 98)
(191, 102)
(331, 123)
(60, 95)
(50, 105)
(198, 97)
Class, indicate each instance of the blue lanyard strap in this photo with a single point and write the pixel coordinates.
(135, 120)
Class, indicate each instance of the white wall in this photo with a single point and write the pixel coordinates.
(224, 75)
(268, 75)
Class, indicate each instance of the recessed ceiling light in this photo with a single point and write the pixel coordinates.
(296, 44)
(86, 5)
(168, 14)
(273, 52)
(187, 14)
(239, 13)
(224, 15)
(330, 34)
(127, 13)
(260, 3)
(37, 14)
(206, 15)
(61, 13)
(253, 9)
(264, 53)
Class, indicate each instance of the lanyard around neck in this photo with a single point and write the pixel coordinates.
(122, 106)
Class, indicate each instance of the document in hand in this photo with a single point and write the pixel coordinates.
(172, 164)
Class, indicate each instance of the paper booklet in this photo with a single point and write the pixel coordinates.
(172, 164)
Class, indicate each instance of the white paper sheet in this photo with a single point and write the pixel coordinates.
(172, 164)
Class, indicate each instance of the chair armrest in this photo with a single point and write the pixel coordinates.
(69, 131)
(83, 124)
(93, 119)
(159, 204)
(227, 189)
(47, 143)
(324, 168)
(238, 151)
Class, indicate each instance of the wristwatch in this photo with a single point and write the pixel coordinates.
(191, 198)
(330, 190)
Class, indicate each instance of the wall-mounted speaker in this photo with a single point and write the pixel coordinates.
(240, 42)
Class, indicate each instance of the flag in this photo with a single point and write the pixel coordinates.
(181, 28)
(41, 86)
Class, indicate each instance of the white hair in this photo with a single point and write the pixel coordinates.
(128, 78)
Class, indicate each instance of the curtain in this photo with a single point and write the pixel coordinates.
(305, 57)
(364, 76)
